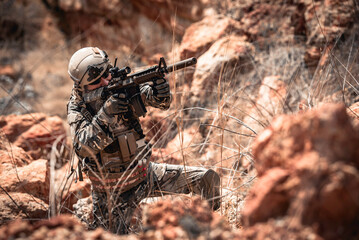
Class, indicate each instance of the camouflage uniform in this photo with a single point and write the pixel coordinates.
(120, 185)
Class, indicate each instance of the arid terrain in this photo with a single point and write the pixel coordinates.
(272, 105)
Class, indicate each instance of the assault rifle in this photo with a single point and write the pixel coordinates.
(122, 82)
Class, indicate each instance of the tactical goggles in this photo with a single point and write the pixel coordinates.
(104, 75)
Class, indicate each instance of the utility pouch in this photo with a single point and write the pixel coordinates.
(124, 151)
(128, 146)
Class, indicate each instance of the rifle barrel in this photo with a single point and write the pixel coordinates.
(182, 64)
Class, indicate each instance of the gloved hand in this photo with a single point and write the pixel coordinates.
(116, 104)
(161, 88)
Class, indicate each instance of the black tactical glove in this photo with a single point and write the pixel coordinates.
(161, 88)
(116, 104)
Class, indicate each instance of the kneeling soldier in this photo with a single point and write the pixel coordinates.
(109, 141)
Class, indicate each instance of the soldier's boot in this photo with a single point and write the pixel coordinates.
(210, 187)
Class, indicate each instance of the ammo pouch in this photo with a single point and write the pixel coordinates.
(124, 168)
(127, 151)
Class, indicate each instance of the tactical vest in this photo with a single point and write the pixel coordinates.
(123, 164)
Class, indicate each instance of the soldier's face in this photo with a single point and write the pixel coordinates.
(103, 82)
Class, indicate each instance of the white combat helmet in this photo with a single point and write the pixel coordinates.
(87, 65)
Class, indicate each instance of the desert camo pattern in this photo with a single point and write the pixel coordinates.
(112, 210)
(92, 134)
(162, 179)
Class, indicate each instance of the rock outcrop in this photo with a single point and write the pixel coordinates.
(326, 132)
(221, 63)
(270, 102)
(12, 156)
(26, 144)
(308, 173)
(184, 219)
(18, 205)
(196, 39)
(32, 179)
(61, 227)
(35, 133)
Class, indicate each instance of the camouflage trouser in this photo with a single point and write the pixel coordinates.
(162, 179)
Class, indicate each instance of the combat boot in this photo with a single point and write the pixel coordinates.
(210, 187)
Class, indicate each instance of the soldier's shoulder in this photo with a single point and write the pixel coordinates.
(76, 101)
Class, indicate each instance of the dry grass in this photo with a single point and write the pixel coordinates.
(220, 138)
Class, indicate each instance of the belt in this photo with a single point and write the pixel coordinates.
(119, 182)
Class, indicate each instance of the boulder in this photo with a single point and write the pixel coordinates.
(35, 132)
(13, 125)
(318, 22)
(59, 227)
(226, 58)
(16, 205)
(163, 12)
(24, 29)
(188, 218)
(270, 23)
(271, 97)
(128, 26)
(314, 24)
(326, 132)
(270, 102)
(77, 190)
(199, 37)
(159, 12)
(278, 229)
(12, 156)
(88, 6)
(326, 20)
(32, 179)
(308, 172)
(269, 200)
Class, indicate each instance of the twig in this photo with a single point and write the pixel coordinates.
(27, 215)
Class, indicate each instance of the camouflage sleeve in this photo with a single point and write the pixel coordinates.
(88, 133)
(149, 99)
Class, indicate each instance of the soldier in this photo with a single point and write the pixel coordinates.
(109, 141)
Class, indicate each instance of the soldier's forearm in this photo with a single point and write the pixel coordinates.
(88, 142)
(90, 137)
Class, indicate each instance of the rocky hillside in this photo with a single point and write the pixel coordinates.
(271, 105)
